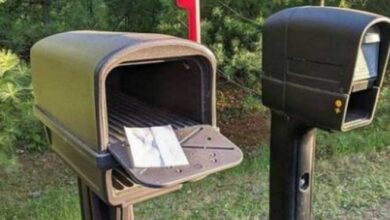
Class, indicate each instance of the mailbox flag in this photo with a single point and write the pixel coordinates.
(193, 18)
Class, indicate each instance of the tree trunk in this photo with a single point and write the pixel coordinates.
(46, 11)
(90, 9)
(319, 2)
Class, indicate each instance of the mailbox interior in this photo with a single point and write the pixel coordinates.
(361, 106)
(176, 92)
(158, 92)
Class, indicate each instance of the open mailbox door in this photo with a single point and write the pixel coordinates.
(207, 150)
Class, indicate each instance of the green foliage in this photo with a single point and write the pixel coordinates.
(252, 103)
(236, 42)
(18, 127)
(8, 61)
(23, 22)
(231, 28)
(141, 16)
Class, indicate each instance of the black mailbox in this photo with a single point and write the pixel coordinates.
(323, 67)
(89, 85)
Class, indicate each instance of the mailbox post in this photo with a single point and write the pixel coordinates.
(323, 68)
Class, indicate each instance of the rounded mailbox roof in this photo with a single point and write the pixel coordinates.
(69, 72)
(98, 48)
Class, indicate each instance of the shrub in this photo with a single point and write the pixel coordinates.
(18, 127)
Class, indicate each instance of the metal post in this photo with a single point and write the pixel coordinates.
(291, 173)
(93, 208)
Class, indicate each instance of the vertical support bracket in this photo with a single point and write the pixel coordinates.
(93, 208)
(193, 18)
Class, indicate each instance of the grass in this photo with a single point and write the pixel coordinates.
(344, 189)
(58, 203)
(348, 187)
(236, 194)
(39, 187)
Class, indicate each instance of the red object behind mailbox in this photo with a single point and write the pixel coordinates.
(193, 17)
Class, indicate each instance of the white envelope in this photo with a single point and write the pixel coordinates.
(155, 147)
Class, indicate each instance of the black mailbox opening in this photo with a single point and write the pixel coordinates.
(159, 92)
(174, 91)
(361, 106)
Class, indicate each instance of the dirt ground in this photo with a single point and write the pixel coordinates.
(248, 132)
(381, 212)
(248, 127)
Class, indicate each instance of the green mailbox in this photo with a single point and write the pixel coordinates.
(89, 85)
